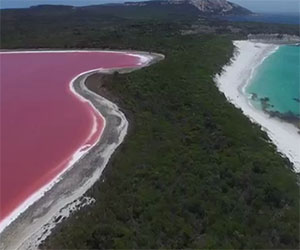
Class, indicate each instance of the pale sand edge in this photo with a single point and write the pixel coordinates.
(37, 219)
(232, 82)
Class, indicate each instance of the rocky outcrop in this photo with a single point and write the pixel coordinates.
(218, 7)
(210, 7)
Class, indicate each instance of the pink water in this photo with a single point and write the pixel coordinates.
(42, 122)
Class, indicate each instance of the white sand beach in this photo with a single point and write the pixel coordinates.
(232, 82)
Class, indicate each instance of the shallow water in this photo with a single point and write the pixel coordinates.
(42, 122)
(278, 79)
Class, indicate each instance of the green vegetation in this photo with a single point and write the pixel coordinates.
(115, 26)
(193, 172)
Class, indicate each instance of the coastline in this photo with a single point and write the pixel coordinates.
(232, 82)
(65, 193)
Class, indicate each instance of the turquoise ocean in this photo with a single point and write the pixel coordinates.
(278, 79)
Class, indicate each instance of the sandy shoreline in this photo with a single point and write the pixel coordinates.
(233, 81)
(65, 193)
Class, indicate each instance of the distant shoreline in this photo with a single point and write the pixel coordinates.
(289, 18)
(232, 82)
(9, 5)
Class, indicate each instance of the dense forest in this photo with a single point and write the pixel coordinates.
(115, 26)
(193, 172)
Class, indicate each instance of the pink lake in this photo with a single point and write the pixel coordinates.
(43, 123)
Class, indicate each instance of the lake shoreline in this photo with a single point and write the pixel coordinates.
(67, 195)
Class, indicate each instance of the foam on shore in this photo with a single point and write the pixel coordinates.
(233, 81)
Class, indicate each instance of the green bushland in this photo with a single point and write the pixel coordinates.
(193, 172)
